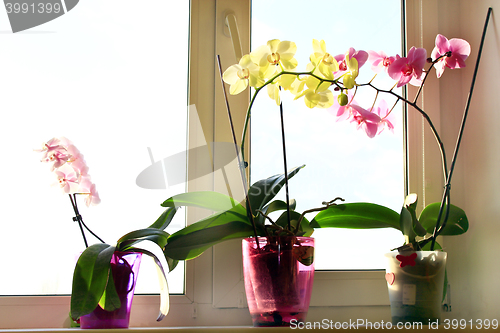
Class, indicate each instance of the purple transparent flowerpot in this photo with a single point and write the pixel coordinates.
(125, 268)
(278, 279)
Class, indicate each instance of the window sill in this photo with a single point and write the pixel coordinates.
(209, 329)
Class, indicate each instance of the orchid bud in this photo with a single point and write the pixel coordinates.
(342, 99)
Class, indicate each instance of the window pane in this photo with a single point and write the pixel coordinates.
(100, 75)
(340, 160)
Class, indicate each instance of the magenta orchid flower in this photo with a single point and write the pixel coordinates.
(366, 120)
(380, 61)
(409, 69)
(360, 56)
(459, 48)
(386, 117)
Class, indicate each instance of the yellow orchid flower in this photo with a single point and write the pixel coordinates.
(285, 81)
(323, 61)
(241, 75)
(275, 53)
(349, 78)
(317, 93)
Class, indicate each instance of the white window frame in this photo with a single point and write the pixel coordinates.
(214, 293)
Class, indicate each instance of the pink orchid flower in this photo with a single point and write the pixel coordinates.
(66, 181)
(386, 117)
(87, 187)
(361, 57)
(459, 48)
(58, 158)
(380, 61)
(366, 120)
(409, 69)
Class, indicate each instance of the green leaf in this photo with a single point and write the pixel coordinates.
(265, 190)
(110, 301)
(159, 237)
(406, 225)
(215, 201)
(90, 278)
(358, 215)
(164, 220)
(411, 204)
(457, 223)
(185, 246)
(159, 260)
(277, 205)
(282, 221)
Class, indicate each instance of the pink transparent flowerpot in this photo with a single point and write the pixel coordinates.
(125, 268)
(278, 279)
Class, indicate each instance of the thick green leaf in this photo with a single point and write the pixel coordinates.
(411, 204)
(90, 278)
(457, 223)
(164, 220)
(277, 205)
(190, 245)
(358, 215)
(265, 190)
(110, 300)
(160, 262)
(406, 226)
(212, 221)
(215, 201)
(159, 237)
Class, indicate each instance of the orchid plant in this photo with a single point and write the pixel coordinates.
(329, 82)
(93, 284)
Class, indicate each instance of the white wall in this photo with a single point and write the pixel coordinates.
(473, 263)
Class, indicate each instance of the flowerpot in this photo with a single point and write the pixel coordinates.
(125, 268)
(278, 277)
(415, 280)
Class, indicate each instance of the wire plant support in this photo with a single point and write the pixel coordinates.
(446, 193)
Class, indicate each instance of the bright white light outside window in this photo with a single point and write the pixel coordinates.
(111, 76)
(340, 160)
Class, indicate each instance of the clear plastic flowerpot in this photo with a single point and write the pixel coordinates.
(416, 280)
(125, 268)
(278, 277)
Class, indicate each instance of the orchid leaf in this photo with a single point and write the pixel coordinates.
(406, 225)
(274, 206)
(90, 278)
(358, 215)
(263, 191)
(164, 220)
(110, 300)
(457, 223)
(185, 246)
(411, 204)
(214, 201)
(160, 261)
(159, 237)
(277, 205)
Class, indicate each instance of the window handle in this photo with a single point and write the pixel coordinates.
(232, 27)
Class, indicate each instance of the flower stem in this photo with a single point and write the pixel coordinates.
(241, 167)
(78, 218)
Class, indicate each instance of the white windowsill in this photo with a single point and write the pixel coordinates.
(226, 329)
